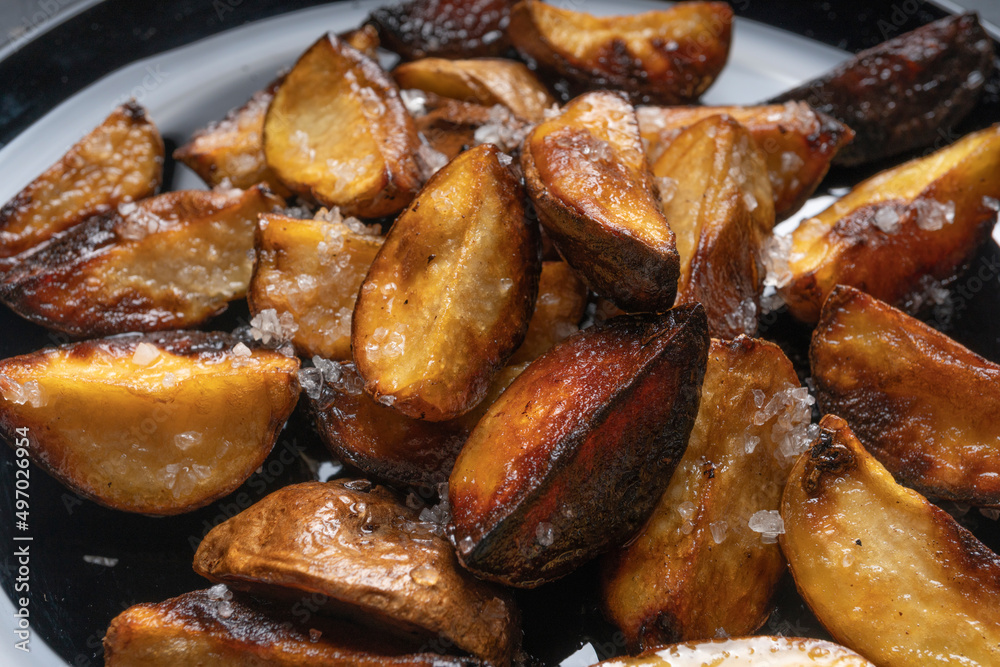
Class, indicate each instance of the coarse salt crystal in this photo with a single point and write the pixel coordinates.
(145, 354)
(887, 220)
(241, 350)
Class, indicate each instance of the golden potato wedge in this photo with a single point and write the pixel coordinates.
(337, 132)
(167, 262)
(923, 218)
(927, 408)
(485, 81)
(798, 142)
(596, 423)
(698, 567)
(215, 628)
(773, 651)
(450, 294)
(668, 56)
(444, 28)
(121, 160)
(369, 555)
(562, 300)
(887, 573)
(313, 270)
(621, 244)
(156, 424)
(364, 39)
(717, 198)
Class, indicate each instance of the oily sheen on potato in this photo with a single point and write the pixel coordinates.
(156, 424)
(450, 293)
(597, 422)
(746, 652)
(562, 300)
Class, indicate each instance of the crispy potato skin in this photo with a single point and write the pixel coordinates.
(121, 160)
(875, 560)
(215, 416)
(842, 245)
(371, 557)
(632, 53)
(454, 282)
(192, 629)
(450, 127)
(597, 422)
(927, 408)
(674, 582)
(907, 92)
(485, 81)
(337, 132)
(719, 222)
(798, 143)
(562, 300)
(170, 262)
(444, 28)
(313, 270)
(741, 651)
(622, 244)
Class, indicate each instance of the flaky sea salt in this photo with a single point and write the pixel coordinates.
(718, 530)
(768, 523)
(744, 318)
(241, 350)
(545, 534)
(933, 215)
(775, 255)
(267, 326)
(145, 354)
(887, 220)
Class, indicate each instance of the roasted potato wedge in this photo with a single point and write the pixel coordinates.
(717, 198)
(485, 81)
(365, 39)
(598, 422)
(313, 270)
(562, 300)
(907, 92)
(444, 28)
(369, 555)
(760, 651)
(668, 56)
(621, 244)
(798, 143)
(167, 262)
(887, 573)
(121, 160)
(923, 218)
(182, 418)
(214, 628)
(697, 567)
(337, 132)
(451, 127)
(927, 408)
(450, 294)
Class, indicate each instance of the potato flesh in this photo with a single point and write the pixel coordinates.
(666, 585)
(562, 300)
(369, 555)
(887, 573)
(121, 160)
(337, 132)
(587, 175)
(843, 244)
(450, 294)
(167, 262)
(180, 428)
(771, 651)
(313, 270)
(797, 142)
(925, 407)
(717, 198)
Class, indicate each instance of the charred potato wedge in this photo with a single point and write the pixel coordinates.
(562, 300)
(313, 270)
(167, 262)
(907, 92)
(621, 245)
(450, 294)
(185, 417)
(797, 142)
(214, 628)
(668, 56)
(451, 127)
(337, 132)
(927, 408)
(665, 585)
(369, 555)
(743, 651)
(923, 218)
(887, 573)
(120, 161)
(444, 28)
(597, 422)
(717, 198)
(485, 81)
